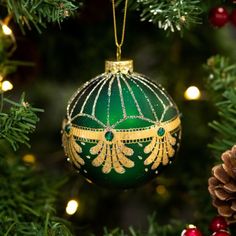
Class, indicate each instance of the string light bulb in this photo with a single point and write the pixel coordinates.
(72, 207)
(6, 30)
(6, 86)
(161, 190)
(192, 93)
(29, 158)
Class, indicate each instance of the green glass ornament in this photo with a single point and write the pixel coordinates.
(121, 128)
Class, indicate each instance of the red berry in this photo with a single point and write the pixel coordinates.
(218, 223)
(221, 233)
(191, 231)
(218, 16)
(233, 17)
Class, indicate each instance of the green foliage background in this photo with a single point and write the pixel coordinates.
(66, 57)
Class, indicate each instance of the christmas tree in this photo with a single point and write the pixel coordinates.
(49, 49)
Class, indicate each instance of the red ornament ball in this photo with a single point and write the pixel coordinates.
(221, 233)
(218, 16)
(218, 223)
(191, 230)
(233, 17)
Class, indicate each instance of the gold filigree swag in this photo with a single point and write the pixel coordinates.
(110, 149)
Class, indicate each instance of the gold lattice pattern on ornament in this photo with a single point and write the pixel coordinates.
(97, 84)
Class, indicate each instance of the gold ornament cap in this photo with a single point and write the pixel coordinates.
(124, 66)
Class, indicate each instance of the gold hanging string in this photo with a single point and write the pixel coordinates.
(119, 45)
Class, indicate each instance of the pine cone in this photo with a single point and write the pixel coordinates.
(222, 186)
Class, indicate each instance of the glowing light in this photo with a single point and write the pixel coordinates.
(89, 181)
(6, 30)
(183, 18)
(1, 77)
(72, 207)
(221, 9)
(29, 158)
(192, 93)
(6, 85)
(161, 189)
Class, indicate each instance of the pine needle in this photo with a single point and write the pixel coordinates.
(221, 85)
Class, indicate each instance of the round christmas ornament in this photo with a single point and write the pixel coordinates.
(191, 230)
(221, 233)
(121, 128)
(218, 16)
(218, 223)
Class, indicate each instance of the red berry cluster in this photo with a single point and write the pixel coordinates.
(218, 227)
(219, 16)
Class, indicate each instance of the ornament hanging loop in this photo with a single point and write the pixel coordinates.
(118, 53)
(119, 45)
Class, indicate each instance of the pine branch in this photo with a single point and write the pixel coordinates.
(7, 47)
(40, 12)
(153, 229)
(170, 16)
(27, 200)
(18, 123)
(221, 85)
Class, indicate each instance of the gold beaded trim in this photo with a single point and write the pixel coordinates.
(123, 67)
(126, 136)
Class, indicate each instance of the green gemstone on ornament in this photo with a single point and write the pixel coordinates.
(68, 129)
(161, 131)
(109, 136)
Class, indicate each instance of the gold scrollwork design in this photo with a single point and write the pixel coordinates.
(71, 147)
(161, 149)
(111, 151)
(112, 156)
